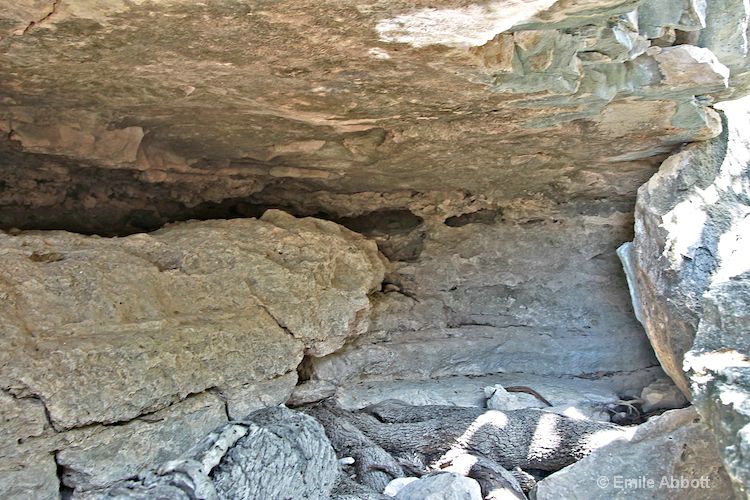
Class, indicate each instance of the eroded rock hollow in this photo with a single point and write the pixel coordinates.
(400, 220)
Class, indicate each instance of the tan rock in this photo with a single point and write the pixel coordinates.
(245, 295)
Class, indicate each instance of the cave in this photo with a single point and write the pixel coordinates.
(367, 250)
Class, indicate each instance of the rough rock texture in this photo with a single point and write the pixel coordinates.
(671, 456)
(662, 395)
(689, 236)
(448, 486)
(100, 455)
(563, 392)
(498, 297)
(719, 369)
(272, 453)
(165, 335)
(491, 150)
(690, 255)
(542, 100)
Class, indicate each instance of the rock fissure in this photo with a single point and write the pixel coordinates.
(52, 10)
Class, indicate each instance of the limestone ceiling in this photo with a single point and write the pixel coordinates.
(216, 100)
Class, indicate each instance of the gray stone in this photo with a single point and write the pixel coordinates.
(691, 226)
(26, 472)
(670, 456)
(719, 371)
(30, 476)
(726, 35)
(101, 455)
(142, 158)
(311, 391)
(496, 298)
(491, 149)
(685, 215)
(192, 345)
(656, 15)
(252, 396)
(205, 298)
(447, 486)
(397, 485)
(500, 399)
(662, 395)
(571, 395)
(273, 453)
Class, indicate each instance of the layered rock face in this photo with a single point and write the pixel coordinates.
(376, 192)
(122, 352)
(690, 255)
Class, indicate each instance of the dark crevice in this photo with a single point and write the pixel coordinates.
(305, 370)
(381, 222)
(220, 394)
(66, 492)
(115, 202)
(53, 10)
(394, 285)
(487, 216)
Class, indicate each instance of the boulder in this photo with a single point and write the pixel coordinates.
(691, 278)
(392, 488)
(273, 453)
(688, 236)
(165, 334)
(662, 395)
(447, 486)
(719, 371)
(670, 456)
(97, 456)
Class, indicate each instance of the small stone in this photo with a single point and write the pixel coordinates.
(397, 485)
(662, 395)
(448, 486)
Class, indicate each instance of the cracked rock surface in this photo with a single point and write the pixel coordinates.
(690, 254)
(157, 338)
(378, 191)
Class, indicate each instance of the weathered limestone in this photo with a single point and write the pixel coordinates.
(719, 371)
(97, 456)
(566, 393)
(687, 234)
(513, 100)
(691, 277)
(670, 456)
(273, 453)
(165, 334)
(491, 150)
(498, 297)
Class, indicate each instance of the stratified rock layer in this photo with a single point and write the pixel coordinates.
(491, 150)
(215, 109)
(166, 334)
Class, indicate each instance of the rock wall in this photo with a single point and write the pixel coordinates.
(690, 257)
(121, 352)
(539, 296)
(466, 171)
